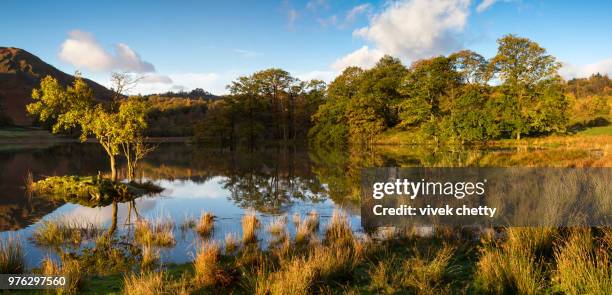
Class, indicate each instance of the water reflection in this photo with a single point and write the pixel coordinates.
(273, 182)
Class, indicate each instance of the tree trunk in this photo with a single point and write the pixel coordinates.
(518, 135)
(113, 226)
(113, 168)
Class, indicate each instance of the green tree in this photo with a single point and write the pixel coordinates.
(74, 106)
(331, 127)
(471, 66)
(430, 87)
(217, 126)
(473, 115)
(522, 66)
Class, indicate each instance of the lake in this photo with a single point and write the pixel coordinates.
(272, 182)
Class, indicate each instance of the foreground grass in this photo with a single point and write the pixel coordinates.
(449, 261)
(12, 260)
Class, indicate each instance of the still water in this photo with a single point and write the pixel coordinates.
(272, 182)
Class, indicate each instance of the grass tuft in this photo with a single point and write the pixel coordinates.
(250, 224)
(339, 231)
(70, 268)
(231, 243)
(12, 259)
(158, 232)
(63, 232)
(206, 224)
(150, 257)
(206, 265)
(582, 267)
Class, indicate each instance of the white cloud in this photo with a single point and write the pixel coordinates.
(413, 29)
(569, 71)
(356, 11)
(326, 76)
(83, 51)
(485, 4)
(213, 82)
(348, 19)
(363, 57)
(127, 59)
(155, 78)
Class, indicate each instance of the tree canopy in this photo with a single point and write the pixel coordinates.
(73, 107)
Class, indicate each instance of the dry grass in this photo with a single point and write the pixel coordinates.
(296, 277)
(147, 283)
(582, 266)
(278, 226)
(321, 266)
(70, 268)
(144, 284)
(338, 230)
(206, 264)
(419, 274)
(29, 183)
(307, 228)
(206, 224)
(150, 257)
(12, 259)
(250, 224)
(63, 231)
(425, 275)
(312, 222)
(302, 234)
(231, 243)
(158, 232)
(514, 265)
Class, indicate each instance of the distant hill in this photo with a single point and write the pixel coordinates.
(20, 72)
(197, 93)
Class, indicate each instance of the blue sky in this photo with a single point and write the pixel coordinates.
(187, 44)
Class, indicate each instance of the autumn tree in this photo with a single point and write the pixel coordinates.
(130, 112)
(74, 107)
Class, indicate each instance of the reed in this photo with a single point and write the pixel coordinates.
(12, 259)
(64, 231)
(296, 277)
(158, 232)
(312, 221)
(206, 224)
(69, 268)
(144, 283)
(206, 264)
(513, 265)
(150, 257)
(231, 243)
(582, 267)
(426, 275)
(338, 230)
(250, 224)
(278, 225)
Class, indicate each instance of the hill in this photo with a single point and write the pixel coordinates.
(20, 72)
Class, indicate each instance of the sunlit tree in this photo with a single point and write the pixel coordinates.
(74, 108)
